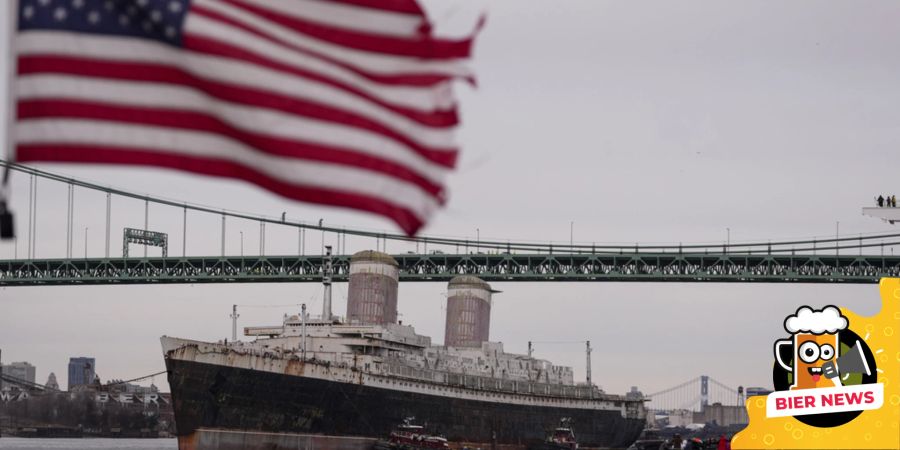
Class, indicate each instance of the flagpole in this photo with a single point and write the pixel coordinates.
(6, 217)
(12, 25)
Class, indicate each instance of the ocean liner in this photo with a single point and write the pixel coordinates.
(332, 383)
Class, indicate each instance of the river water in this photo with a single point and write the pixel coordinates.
(87, 443)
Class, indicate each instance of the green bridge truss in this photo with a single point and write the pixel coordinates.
(641, 266)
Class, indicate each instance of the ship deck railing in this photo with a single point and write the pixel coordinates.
(498, 385)
(460, 380)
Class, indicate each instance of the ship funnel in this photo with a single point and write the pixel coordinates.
(372, 294)
(326, 281)
(468, 312)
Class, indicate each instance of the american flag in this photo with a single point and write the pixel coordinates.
(341, 102)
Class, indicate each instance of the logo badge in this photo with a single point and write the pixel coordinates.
(824, 373)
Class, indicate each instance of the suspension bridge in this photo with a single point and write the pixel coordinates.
(695, 394)
(833, 260)
(701, 400)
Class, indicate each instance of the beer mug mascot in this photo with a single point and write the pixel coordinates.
(815, 339)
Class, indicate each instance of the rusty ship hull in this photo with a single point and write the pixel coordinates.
(217, 406)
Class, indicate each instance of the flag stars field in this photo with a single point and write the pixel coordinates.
(109, 17)
(60, 14)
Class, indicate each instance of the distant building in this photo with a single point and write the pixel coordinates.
(82, 371)
(751, 391)
(143, 390)
(722, 415)
(21, 370)
(634, 394)
(119, 386)
(681, 417)
(51, 382)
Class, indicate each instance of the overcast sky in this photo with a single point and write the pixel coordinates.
(667, 123)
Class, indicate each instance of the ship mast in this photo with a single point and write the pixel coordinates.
(303, 329)
(590, 385)
(589, 363)
(326, 281)
(234, 318)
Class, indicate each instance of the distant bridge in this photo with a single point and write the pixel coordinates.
(694, 395)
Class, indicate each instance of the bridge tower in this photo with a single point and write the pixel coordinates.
(704, 391)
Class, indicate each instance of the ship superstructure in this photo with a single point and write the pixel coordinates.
(329, 378)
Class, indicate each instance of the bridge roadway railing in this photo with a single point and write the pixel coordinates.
(655, 267)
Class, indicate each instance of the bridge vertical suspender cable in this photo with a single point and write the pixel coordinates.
(108, 223)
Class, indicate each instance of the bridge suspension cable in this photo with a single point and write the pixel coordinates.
(674, 388)
(42, 388)
(768, 247)
(25, 383)
(691, 396)
(722, 386)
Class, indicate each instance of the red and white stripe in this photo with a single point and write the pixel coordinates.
(342, 102)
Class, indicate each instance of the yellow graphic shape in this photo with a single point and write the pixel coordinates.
(875, 429)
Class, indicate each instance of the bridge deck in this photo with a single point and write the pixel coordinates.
(656, 267)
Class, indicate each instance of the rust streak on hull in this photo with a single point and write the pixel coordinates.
(215, 439)
(209, 439)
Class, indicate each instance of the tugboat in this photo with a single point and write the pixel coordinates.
(407, 436)
(562, 438)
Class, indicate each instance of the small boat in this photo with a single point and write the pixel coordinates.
(407, 436)
(561, 438)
